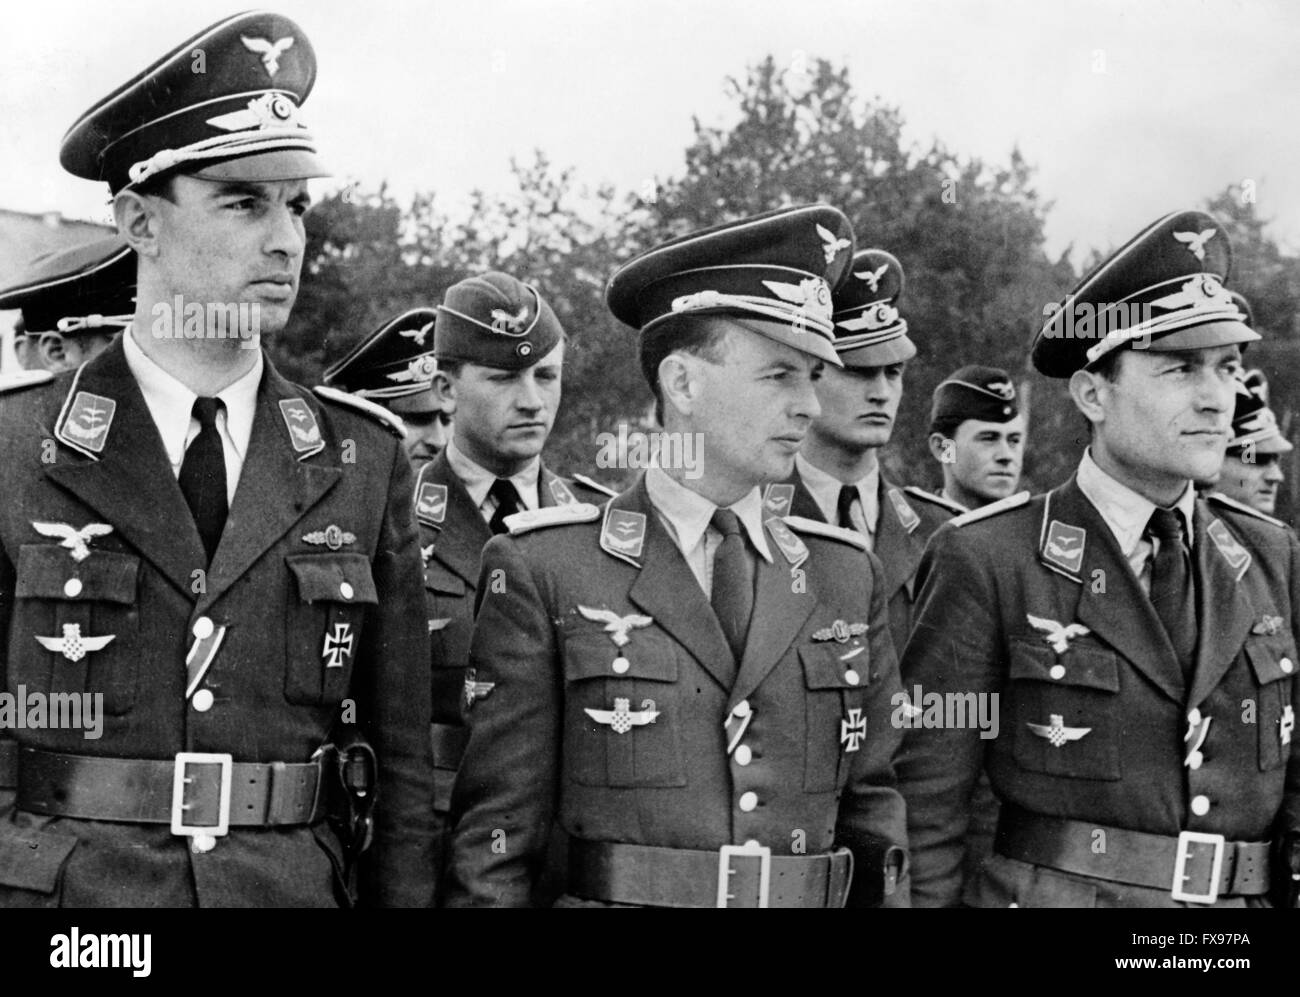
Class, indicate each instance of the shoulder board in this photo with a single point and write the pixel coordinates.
(1218, 498)
(555, 515)
(992, 509)
(943, 503)
(851, 537)
(594, 485)
(389, 419)
(19, 379)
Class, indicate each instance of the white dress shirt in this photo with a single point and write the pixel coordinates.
(686, 514)
(171, 405)
(825, 489)
(1127, 514)
(478, 481)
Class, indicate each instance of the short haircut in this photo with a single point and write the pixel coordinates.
(687, 334)
(947, 426)
(450, 366)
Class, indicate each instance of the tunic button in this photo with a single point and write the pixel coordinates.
(1286, 665)
(345, 590)
(621, 665)
(72, 588)
(202, 700)
(748, 801)
(1194, 718)
(852, 677)
(1057, 672)
(203, 628)
(201, 843)
(742, 708)
(1194, 761)
(743, 755)
(1200, 805)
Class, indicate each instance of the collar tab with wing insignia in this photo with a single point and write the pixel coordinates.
(560, 491)
(1233, 552)
(623, 534)
(431, 503)
(907, 516)
(304, 433)
(1063, 546)
(791, 547)
(85, 421)
(778, 499)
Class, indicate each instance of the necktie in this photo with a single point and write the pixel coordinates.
(844, 507)
(1172, 588)
(733, 581)
(507, 504)
(203, 475)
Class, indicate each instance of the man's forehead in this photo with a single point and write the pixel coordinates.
(976, 426)
(268, 189)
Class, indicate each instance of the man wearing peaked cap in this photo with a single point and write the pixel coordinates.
(394, 367)
(837, 476)
(680, 679)
(1252, 468)
(500, 353)
(226, 561)
(74, 302)
(977, 435)
(1122, 623)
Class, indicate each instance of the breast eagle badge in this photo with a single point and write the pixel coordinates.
(77, 541)
(1056, 634)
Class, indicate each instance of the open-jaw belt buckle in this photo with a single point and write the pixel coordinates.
(194, 792)
(752, 850)
(1185, 840)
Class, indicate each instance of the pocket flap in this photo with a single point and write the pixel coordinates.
(44, 571)
(1266, 655)
(322, 577)
(591, 656)
(439, 579)
(835, 666)
(1080, 665)
(32, 859)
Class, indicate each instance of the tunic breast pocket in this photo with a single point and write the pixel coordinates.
(1272, 659)
(323, 628)
(451, 616)
(1064, 710)
(621, 725)
(76, 624)
(835, 676)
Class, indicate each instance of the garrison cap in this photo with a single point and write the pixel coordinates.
(974, 392)
(81, 289)
(222, 106)
(395, 361)
(496, 321)
(771, 274)
(1162, 291)
(1253, 421)
(869, 332)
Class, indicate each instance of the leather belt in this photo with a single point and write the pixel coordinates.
(1194, 867)
(734, 876)
(448, 745)
(195, 793)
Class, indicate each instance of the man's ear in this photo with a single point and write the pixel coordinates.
(1090, 392)
(679, 382)
(444, 389)
(941, 448)
(52, 351)
(136, 215)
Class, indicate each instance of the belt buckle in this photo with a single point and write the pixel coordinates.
(751, 850)
(180, 780)
(1185, 839)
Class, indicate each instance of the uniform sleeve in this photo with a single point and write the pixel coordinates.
(394, 710)
(505, 796)
(954, 649)
(1289, 819)
(871, 815)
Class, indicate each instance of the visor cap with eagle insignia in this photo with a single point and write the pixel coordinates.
(222, 106)
(394, 365)
(1253, 421)
(869, 332)
(974, 392)
(771, 274)
(82, 289)
(1162, 291)
(495, 320)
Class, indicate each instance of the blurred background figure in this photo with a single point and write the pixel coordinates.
(1252, 467)
(977, 434)
(74, 303)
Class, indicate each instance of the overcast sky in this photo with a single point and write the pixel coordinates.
(1128, 109)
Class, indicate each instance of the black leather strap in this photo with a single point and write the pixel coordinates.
(448, 745)
(1135, 858)
(139, 791)
(677, 877)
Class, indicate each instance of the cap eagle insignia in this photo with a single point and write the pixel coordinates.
(1195, 241)
(832, 244)
(269, 51)
(872, 277)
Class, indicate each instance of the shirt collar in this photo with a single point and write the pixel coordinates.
(1122, 509)
(825, 489)
(688, 513)
(478, 480)
(166, 397)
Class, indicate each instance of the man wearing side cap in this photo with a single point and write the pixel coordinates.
(225, 560)
(837, 477)
(74, 303)
(977, 435)
(394, 367)
(1142, 642)
(1252, 468)
(681, 681)
(500, 353)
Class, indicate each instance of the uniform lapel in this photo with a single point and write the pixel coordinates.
(131, 484)
(779, 615)
(1111, 601)
(275, 490)
(463, 532)
(1224, 609)
(667, 591)
(803, 504)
